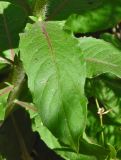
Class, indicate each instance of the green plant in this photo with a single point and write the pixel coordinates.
(60, 69)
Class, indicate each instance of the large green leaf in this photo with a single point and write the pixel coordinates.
(56, 77)
(101, 57)
(85, 15)
(12, 21)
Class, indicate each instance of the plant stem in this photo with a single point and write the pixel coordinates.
(101, 121)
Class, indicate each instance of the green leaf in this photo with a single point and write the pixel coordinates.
(94, 152)
(4, 90)
(111, 39)
(11, 24)
(85, 15)
(101, 57)
(112, 151)
(106, 88)
(3, 103)
(23, 4)
(62, 9)
(56, 76)
(93, 149)
(38, 7)
(1, 158)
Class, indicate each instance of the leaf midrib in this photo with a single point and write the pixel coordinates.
(53, 59)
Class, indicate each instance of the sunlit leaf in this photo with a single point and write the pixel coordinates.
(56, 72)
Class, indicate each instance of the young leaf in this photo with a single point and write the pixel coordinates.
(38, 8)
(56, 76)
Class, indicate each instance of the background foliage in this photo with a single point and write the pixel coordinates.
(60, 79)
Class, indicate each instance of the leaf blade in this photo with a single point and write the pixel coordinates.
(101, 57)
(53, 74)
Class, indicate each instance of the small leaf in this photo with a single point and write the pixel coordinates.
(112, 151)
(38, 7)
(93, 149)
(3, 101)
